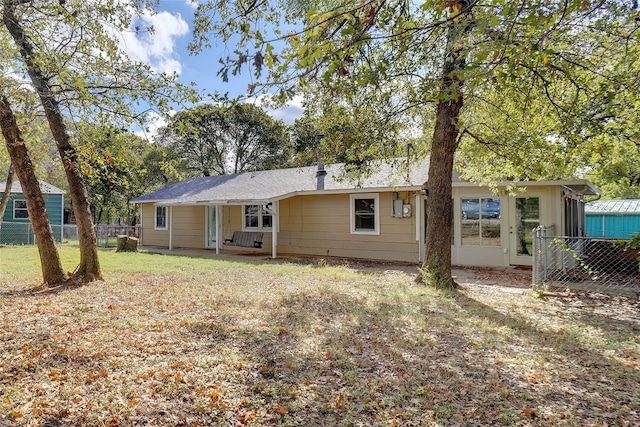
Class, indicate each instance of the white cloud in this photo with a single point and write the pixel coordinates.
(158, 47)
(154, 121)
(291, 111)
(17, 78)
(193, 4)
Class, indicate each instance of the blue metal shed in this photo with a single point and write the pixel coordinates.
(16, 228)
(613, 218)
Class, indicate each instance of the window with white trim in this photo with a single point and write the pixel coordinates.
(480, 222)
(20, 209)
(257, 217)
(161, 218)
(365, 214)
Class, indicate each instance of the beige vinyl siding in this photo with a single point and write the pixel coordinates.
(187, 223)
(309, 225)
(320, 225)
(231, 220)
(151, 236)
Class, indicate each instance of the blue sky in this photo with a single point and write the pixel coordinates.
(166, 50)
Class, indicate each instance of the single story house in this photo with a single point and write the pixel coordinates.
(617, 219)
(16, 228)
(318, 211)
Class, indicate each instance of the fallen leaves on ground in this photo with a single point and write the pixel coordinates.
(256, 345)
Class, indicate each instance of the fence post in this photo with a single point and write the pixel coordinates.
(538, 256)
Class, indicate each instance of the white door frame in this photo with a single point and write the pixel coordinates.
(207, 243)
(514, 257)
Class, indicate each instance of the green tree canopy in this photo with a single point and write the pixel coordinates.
(576, 60)
(118, 166)
(71, 54)
(219, 140)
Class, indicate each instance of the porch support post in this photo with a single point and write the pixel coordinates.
(170, 228)
(274, 229)
(218, 228)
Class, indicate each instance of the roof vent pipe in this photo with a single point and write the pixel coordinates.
(321, 172)
(409, 148)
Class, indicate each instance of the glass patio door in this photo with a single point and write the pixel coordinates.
(525, 216)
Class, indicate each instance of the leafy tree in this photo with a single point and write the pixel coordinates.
(215, 140)
(349, 134)
(20, 163)
(303, 133)
(52, 271)
(615, 147)
(42, 148)
(8, 184)
(616, 170)
(256, 140)
(443, 56)
(118, 167)
(197, 136)
(121, 168)
(71, 55)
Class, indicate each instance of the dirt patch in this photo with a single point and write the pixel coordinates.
(493, 281)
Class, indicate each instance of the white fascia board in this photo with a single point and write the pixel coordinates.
(348, 191)
(248, 201)
(581, 182)
(234, 202)
(177, 202)
(154, 201)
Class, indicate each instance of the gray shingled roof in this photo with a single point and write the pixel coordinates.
(265, 186)
(614, 207)
(45, 187)
(275, 184)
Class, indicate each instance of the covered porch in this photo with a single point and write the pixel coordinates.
(212, 225)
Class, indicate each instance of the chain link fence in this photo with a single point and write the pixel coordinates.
(21, 233)
(607, 266)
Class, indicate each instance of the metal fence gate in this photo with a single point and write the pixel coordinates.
(605, 266)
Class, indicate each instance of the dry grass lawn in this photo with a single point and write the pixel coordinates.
(178, 341)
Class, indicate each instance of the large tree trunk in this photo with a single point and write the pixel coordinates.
(436, 269)
(89, 267)
(7, 192)
(52, 271)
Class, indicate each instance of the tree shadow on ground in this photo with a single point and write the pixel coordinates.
(366, 353)
(330, 359)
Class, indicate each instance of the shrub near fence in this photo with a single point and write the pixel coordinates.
(608, 266)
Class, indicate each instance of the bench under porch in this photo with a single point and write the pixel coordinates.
(248, 239)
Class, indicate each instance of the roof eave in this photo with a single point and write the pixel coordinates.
(579, 186)
(254, 201)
